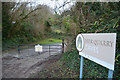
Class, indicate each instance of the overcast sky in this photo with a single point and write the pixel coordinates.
(54, 3)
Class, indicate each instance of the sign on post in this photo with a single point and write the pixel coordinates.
(98, 47)
(38, 48)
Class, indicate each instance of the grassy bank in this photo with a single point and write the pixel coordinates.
(48, 41)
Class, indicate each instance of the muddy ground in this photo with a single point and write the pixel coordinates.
(25, 64)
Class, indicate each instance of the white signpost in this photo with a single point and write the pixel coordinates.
(38, 48)
(97, 47)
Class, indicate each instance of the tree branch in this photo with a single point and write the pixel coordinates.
(26, 16)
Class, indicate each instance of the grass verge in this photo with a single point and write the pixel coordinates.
(48, 41)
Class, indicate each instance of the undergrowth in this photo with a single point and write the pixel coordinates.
(71, 60)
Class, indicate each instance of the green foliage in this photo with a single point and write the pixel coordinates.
(105, 18)
(24, 36)
(26, 26)
(48, 26)
(6, 22)
(94, 70)
(71, 62)
(66, 23)
(51, 20)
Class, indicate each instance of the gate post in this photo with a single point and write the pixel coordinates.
(63, 45)
(49, 50)
(18, 49)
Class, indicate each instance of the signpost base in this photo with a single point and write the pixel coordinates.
(81, 67)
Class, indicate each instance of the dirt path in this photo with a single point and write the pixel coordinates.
(28, 63)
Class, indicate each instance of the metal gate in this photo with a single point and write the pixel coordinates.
(49, 49)
(28, 50)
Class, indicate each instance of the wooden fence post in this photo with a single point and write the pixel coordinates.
(62, 45)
